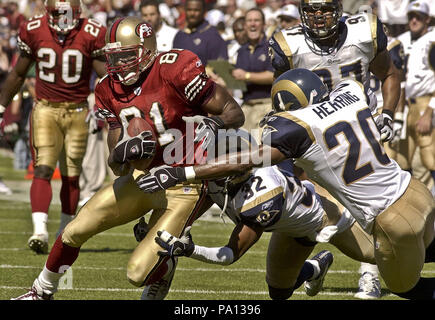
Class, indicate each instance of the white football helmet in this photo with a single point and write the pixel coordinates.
(320, 17)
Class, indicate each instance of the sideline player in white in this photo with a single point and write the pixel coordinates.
(338, 47)
(336, 142)
(420, 84)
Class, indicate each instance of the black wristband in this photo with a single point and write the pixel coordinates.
(181, 174)
(389, 113)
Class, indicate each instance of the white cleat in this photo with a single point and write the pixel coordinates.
(5, 189)
(325, 259)
(159, 289)
(36, 293)
(38, 243)
(369, 287)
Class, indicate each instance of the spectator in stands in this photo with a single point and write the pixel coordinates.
(165, 34)
(199, 36)
(271, 12)
(288, 16)
(254, 66)
(393, 13)
(169, 12)
(14, 16)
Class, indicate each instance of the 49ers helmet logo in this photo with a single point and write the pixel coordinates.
(144, 30)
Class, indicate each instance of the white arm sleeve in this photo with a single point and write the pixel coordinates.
(222, 255)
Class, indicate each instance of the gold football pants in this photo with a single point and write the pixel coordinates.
(286, 255)
(401, 234)
(59, 132)
(426, 143)
(121, 202)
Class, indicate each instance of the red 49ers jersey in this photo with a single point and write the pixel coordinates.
(62, 68)
(176, 85)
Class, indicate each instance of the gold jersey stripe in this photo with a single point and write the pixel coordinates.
(373, 28)
(279, 37)
(300, 122)
(263, 198)
(393, 44)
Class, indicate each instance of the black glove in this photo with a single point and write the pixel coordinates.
(96, 123)
(207, 128)
(135, 148)
(385, 125)
(175, 247)
(161, 178)
(140, 229)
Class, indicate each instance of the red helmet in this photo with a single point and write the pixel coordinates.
(63, 15)
(131, 48)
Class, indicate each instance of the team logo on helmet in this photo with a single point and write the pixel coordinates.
(144, 30)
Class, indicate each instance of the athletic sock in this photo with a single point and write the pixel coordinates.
(69, 194)
(367, 267)
(40, 195)
(61, 256)
(39, 220)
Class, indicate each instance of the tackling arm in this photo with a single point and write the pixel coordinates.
(383, 68)
(239, 163)
(242, 238)
(226, 165)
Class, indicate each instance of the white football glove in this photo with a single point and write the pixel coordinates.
(385, 125)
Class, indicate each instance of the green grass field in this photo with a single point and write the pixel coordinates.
(100, 271)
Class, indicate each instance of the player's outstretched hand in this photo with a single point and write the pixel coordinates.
(139, 147)
(175, 247)
(161, 178)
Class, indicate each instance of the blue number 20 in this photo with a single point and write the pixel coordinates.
(351, 171)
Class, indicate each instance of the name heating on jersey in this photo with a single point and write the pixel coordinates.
(342, 100)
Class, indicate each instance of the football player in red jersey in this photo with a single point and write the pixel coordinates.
(65, 48)
(162, 89)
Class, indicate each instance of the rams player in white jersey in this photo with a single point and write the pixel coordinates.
(336, 142)
(273, 199)
(420, 85)
(338, 47)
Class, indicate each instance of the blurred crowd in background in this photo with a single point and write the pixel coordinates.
(220, 13)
